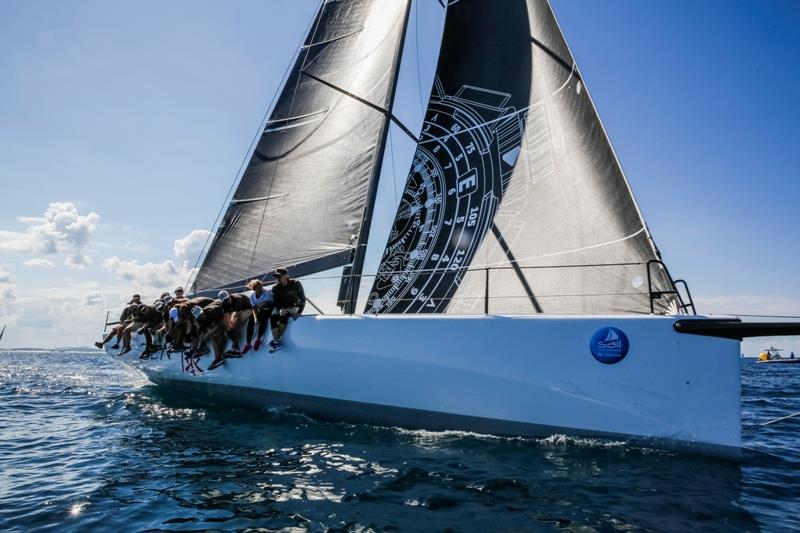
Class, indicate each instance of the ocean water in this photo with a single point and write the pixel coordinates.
(86, 445)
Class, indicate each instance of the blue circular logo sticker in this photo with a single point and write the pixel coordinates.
(609, 345)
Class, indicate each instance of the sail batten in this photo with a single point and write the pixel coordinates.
(514, 186)
(302, 197)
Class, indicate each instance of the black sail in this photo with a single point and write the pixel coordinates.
(515, 190)
(302, 197)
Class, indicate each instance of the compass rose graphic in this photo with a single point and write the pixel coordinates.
(469, 144)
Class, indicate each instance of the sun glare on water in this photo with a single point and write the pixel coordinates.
(76, 509)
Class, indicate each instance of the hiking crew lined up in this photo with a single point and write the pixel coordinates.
(205, 323)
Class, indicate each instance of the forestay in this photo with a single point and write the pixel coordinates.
(302, 197)
(514, 173)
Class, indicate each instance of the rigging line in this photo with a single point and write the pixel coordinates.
(300, 49)
(416, 49)
(366, 102)
(770, 422)
(394, 171)
(517, 270)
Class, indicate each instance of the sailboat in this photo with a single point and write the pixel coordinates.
(519, 290)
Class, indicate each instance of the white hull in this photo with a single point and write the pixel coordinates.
(525, 375)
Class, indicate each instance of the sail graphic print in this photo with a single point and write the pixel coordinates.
(470, 142)
(515, 192)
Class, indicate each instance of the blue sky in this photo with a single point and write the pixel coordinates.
(133, 118)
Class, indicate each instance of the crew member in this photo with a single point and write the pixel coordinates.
(237, 312)
(289, 302)
(262, 303)
(124, 321)
(212, 329)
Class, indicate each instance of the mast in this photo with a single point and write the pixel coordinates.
(352, 280)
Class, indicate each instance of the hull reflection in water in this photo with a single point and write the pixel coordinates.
(445, 372)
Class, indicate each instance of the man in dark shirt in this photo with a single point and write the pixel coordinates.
(124, 320)
(150, 318)
(237, 312)
(212, 329)
(185, 328)
(289, 302)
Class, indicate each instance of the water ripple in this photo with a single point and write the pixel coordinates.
(87, 445)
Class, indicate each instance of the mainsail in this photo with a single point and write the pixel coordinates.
(302, 198)
(515, 190)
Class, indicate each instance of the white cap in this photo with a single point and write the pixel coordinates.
(223, 295)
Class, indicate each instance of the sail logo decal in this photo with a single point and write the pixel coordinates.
(609, 345)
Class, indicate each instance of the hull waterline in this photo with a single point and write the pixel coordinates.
(530, 376)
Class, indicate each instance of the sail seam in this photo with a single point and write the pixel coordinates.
(236, 201)
(332, 39)
(565, 252)
(298, 117)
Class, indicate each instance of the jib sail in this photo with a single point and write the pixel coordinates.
(515, 190)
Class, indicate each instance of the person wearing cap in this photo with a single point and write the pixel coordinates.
(262, 303)
(124, 321)
(237, 312)
(186, 327)
(134, 323)
(290, 300)
(151, 318)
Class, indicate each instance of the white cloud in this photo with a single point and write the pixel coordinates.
(39, 262)
(93, 298)
(77, 261)
(60, 230)
(163, 275)
(8, 292)
(6, 276)
(189, 247)
(136, 246)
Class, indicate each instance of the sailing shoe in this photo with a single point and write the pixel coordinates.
(275, 346)
(125, 350)
(215, 364)
(246, 348)
(257, 345)
(99, 345)
(115, 347)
